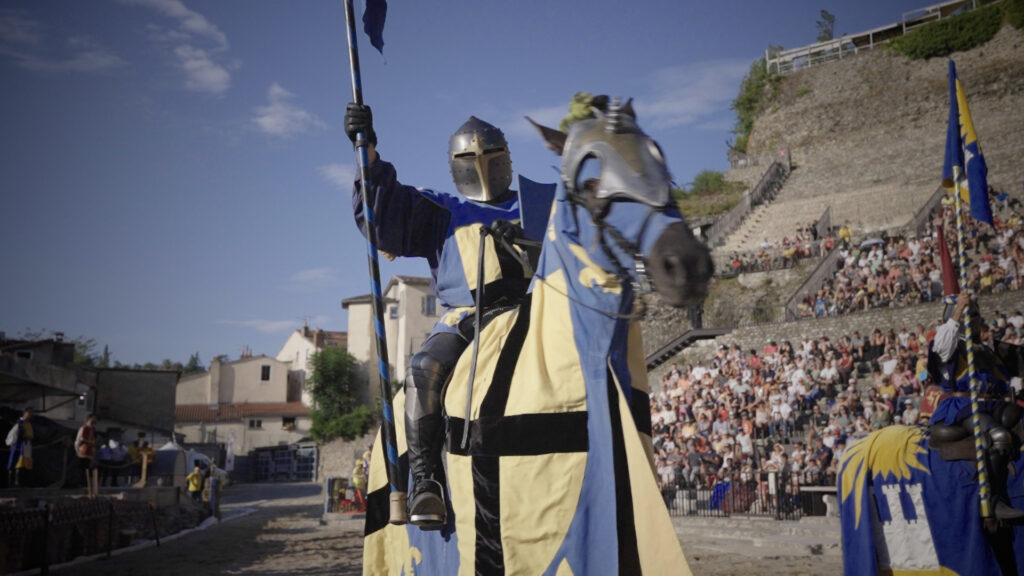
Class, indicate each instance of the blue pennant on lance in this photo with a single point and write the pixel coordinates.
(373, 22)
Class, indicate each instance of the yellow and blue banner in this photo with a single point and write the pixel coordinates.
(906, 511)
(964, 160)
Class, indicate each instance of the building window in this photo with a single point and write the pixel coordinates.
(393, 312)
(428, 306)
(288, 423)
(255, 424)
(265, 373)
(26, 354)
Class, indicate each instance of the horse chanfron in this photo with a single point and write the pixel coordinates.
(619, 175)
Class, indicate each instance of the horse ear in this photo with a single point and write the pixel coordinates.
(628, 109)
(555, 140)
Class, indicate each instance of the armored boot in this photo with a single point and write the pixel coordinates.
(424, 427)
(424, 434)
(998, 457)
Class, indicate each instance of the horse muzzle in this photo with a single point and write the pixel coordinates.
(680, 266)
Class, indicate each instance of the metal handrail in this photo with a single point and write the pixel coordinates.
(813, 282)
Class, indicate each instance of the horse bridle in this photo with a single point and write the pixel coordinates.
(640, 280)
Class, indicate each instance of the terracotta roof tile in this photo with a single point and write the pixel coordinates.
(203, 413)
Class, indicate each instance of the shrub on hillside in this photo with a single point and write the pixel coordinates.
(748, 103)
(708, 181)
(1015, 13)
(710, 194)
(943, 37)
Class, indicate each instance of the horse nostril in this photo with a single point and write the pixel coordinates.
(669, 264)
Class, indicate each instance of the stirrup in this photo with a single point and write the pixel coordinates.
(1005, 512)
(427, 508)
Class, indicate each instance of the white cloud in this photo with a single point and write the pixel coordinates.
(17, 28)
(313, 280)
(23, 40)
(717, 125)
(682, 95)
(189, 22)
(687, 94)
(280, 117)
(272, 326)
(201, 73)
(263, 325)
(549, 116)
(197, 45)
(341, 175)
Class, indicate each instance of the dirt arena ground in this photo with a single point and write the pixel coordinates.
(275, 529)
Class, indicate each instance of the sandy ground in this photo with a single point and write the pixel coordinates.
(275, 529)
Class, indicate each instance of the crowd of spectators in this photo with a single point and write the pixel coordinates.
(789, 408)
(784, 253)
(901, 271)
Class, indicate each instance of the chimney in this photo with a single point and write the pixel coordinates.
(214, 395)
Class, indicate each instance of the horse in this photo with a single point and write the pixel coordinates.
(556, 475)
(906, 510)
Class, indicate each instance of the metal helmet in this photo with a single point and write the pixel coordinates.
(480, 162)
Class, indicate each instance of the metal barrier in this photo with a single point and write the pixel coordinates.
(35, 538)
(766, 494)
(787, 61)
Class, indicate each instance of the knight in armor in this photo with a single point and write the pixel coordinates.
(445, 230)
(999, 415)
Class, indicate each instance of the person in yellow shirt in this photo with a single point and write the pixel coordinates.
(845, 234)
(195, 484)
(359, 483)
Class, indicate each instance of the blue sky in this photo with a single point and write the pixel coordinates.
(175, 178)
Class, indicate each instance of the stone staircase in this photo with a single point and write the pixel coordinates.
(870, 209)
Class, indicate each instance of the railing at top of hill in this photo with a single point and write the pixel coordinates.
(787, 61)
(770, 183)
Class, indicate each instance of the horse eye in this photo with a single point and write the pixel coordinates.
(588, 176)
(655, 151)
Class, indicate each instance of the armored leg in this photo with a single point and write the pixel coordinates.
(999, 455)
(424, 426)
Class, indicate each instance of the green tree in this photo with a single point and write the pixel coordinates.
(194, 365)
(333, 384)
(826, 26)
(748, 103)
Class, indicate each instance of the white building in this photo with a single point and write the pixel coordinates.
(410, 312)
(250, 403)
(302, 344)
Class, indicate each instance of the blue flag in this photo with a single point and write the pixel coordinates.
(963, 153)
(373, 22)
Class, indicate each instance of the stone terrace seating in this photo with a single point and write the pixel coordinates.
(868, 209)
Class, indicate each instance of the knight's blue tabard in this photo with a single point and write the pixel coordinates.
(952, 376)
(444, 229)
